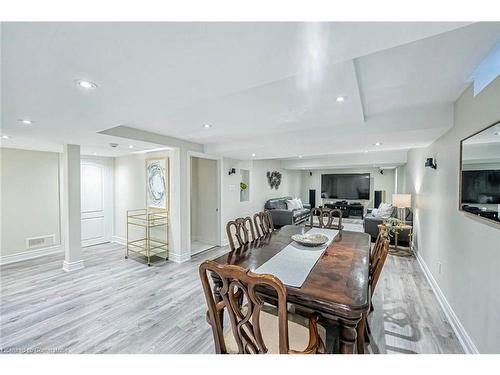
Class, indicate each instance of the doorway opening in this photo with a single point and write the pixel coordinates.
(204, 204)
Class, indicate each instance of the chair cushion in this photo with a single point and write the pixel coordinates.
(298, 332)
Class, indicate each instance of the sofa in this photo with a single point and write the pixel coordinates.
(282, 216)
(371, 222)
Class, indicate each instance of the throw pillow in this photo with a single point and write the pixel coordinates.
(291, 204)
(300, 205)
(384, 210)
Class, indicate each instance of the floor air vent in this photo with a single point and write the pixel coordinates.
(37, 242)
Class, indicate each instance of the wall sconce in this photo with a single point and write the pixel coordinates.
(232, 171)
(431, 163)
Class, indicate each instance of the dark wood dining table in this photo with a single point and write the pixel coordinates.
(336, 287)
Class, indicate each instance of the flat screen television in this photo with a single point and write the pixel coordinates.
(345, 186)
(481, 186)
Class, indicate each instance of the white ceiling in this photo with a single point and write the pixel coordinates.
(266, 88)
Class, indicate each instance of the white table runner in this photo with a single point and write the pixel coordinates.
(293, 264)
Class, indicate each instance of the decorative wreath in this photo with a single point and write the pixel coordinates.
(274, 179)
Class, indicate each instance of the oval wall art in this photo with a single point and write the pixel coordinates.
(157, 183)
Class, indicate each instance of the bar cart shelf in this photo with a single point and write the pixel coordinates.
(149, 223)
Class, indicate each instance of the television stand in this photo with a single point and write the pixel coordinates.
(347, 209)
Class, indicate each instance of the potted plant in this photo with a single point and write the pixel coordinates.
(392, 225)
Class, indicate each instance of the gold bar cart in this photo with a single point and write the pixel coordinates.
(151, 222)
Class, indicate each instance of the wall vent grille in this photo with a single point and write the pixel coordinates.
(42, 241)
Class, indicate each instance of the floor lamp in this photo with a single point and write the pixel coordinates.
(401, 201)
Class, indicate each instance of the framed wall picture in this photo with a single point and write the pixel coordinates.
(157, 183)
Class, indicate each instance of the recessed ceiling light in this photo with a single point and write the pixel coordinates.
(95, 153)
(207, 126)
(340, 99)
(377, 144)
(25, 121)
(5, 137)
(300, 156)
(130, 146)
(86, 84)
(253, 155)
(366, 151)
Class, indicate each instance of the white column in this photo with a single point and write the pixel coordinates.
(177, 252)
(71, 208)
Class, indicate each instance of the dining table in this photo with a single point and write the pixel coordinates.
(337, 286)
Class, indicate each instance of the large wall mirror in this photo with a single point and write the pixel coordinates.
(480, 173)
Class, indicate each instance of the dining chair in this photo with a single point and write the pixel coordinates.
(378, 255)
(255, 328)
(327, 215)
(243, 233)
(377, 247)
(263, 222)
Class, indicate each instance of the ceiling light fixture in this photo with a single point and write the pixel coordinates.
(366, 151)
(5, 137)
(87, 85)
(207, 126)
(25, 121)
(300, 156)
(253, 155)
(130, 146)
(377, 144)
(95, 153)
(340, 99)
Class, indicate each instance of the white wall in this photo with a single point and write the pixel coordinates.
(401, 185)
(259, 188)
(377, 182)
(29, 198)
(179, 174)
(130, 194)
(467, 248)
(204, 200)
(290, 183)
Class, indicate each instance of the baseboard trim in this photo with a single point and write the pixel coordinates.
(465, 340)
(32, 254)
(73, 266)
(119, 240)
(177, 258)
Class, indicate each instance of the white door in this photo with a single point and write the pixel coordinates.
(96, 201)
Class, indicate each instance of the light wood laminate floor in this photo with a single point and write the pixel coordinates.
(122, 306)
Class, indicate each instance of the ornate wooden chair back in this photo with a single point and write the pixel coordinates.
(326, 218)
(241, 230)
(238, 282)
(380, 252)
(263, 222)
(377, 247)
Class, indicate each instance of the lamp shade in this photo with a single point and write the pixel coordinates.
(401, 200)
